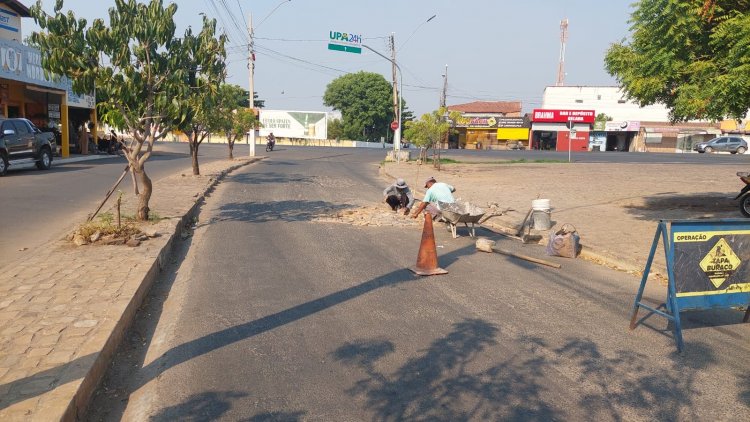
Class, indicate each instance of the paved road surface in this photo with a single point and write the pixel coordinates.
(38, 206)
(269, 315)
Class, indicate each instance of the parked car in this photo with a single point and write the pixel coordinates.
(22, 142)
(733, 144)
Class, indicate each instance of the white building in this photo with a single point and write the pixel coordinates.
(632, 127)
(609, 100)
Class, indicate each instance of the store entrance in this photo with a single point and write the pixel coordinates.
(619, 141)
(544, 140)
(14, 111)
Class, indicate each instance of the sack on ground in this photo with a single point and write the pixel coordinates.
(564, 242)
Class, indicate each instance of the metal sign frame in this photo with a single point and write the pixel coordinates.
(677, 231)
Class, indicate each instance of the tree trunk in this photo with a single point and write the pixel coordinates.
(145, 195)
(194, 157)
(193, 141)
(230, 144)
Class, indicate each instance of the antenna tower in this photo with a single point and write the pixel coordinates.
(563, 41)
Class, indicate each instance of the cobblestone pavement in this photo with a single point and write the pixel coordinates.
(614, 207)
(63, 311)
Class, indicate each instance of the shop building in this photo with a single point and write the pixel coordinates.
(628, 126)
(26, 92)
(488, 125)
(614, 135)
(561, 129)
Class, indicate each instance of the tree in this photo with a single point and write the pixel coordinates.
(365, 100)
(691, 55)
(231, 115)
(335, 129)
(204, 57)
(430, 129)
(235, 124)
(603, 117)
(136, 61)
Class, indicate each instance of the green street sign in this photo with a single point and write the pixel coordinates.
(345, 48)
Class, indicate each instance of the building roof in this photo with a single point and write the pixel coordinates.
(17, 7)
(491, 107)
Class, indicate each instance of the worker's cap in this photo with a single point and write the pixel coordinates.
(400, 183)
(430, 179)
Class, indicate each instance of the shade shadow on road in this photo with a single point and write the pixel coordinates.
(262, 212)
(660, 393)
(681, 206)
(462, 376)
(269, 177)
(446, 383)
(207, 406)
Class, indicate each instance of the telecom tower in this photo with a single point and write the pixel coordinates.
(563, 41)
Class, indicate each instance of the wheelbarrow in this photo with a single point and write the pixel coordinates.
(469, 214)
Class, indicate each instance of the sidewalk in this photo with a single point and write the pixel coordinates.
(615, 207)
(64, 311)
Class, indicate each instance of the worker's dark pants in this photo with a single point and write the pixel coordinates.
(397, 202)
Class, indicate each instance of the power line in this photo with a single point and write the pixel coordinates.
(240, 29)
(241, 10)
(300, 60)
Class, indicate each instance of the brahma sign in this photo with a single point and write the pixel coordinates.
(563, 116)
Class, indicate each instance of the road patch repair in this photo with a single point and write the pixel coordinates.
(65, 309)
(373, 215)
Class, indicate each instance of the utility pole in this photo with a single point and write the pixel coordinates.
(396, 102)
(251, 69)
(443, 103)
(445, 88)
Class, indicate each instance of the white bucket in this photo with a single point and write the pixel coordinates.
(541, 216)
(540, 205)
(542, 220)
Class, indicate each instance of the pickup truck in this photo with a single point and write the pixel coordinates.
(22, 142)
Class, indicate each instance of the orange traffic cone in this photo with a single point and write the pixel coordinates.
(427, 259)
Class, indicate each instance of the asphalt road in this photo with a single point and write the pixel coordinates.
(38, 206)
(267, 315)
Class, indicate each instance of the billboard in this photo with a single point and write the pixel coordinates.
(294, 124)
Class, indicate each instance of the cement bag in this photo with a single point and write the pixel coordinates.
(564, 242)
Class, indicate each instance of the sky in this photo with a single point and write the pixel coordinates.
(495, 50)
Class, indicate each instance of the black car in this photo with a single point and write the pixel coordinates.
(22, 142)
(733, 144)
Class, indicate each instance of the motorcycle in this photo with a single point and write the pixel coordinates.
(744, 195)
(270, 144)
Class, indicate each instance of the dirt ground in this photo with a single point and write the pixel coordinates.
(614, 207)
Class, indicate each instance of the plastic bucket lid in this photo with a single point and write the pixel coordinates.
(540, 205)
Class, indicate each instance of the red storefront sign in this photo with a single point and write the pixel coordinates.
(561, 116)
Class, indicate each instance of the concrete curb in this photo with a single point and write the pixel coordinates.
(78, 405)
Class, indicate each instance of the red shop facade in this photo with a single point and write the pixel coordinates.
(551, 129)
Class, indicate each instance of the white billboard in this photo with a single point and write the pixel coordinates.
(294, 124)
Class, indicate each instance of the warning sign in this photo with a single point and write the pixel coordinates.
(720, 263)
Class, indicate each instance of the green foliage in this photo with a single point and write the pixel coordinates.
(365, 100)
(335, 129)
(145, 74)
(602, 117)
(691, 55)
(430, 129)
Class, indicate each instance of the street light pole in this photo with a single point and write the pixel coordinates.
(251, 69)
(397, 132)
